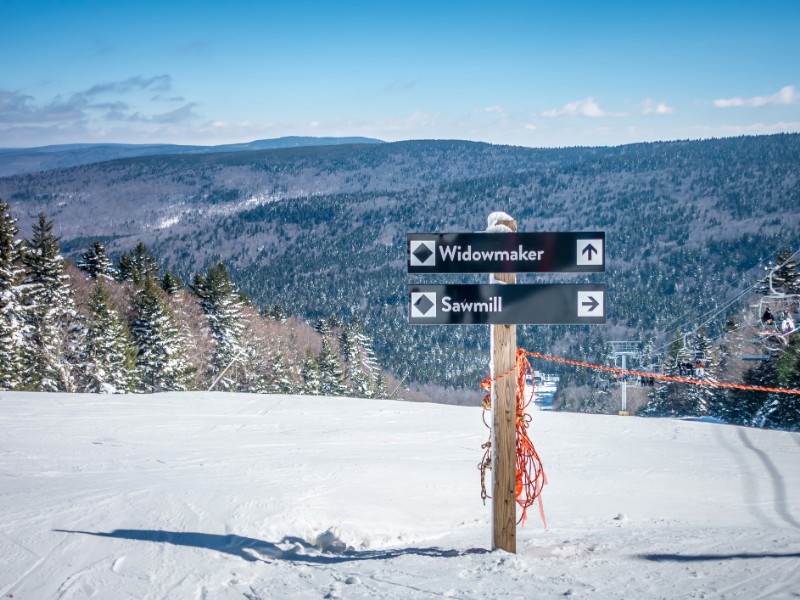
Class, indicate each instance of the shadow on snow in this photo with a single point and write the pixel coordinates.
(702, 557)
(294, 549)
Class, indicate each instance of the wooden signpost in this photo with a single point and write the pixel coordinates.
(503, 344)
(503, 252)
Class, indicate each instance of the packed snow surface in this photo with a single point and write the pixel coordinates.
(214, 495)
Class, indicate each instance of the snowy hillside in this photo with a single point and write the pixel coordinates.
(238, 496)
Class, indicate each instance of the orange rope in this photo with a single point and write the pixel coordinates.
(530, 478)
(736, 386)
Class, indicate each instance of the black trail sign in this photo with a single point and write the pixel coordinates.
(491, 304)
(527, 252)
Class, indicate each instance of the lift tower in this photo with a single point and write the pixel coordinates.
(624, 350)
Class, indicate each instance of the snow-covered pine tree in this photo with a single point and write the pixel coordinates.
(702, 398)
(381, 385)
(171, 283)
(322, 326)
(125, 268)
(312, 384)
(53, 333)
(161, 361)
(11, 312)
(110, 356)
(278, 380)
(137, 265)
(664, 399)
(96, 263)
(360, 367)
(222, 304)
(143, 263)
(782, 411)
(331, 376)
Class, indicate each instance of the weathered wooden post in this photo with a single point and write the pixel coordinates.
(503, 343)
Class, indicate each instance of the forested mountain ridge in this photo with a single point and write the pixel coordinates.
(15, 161)
(322, 230)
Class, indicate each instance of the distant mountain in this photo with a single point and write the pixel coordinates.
(322, 230)
(16, 161)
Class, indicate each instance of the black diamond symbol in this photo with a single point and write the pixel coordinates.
(423, 253)
(423, 305)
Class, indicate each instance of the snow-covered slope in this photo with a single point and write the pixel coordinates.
(236, 496)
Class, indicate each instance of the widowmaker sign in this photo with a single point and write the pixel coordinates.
(524, 252)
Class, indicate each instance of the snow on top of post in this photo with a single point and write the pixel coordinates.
(498, 216)
(500, 222)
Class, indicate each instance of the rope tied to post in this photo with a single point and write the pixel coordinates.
(530, 475)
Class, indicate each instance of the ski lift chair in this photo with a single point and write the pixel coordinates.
(776, 302)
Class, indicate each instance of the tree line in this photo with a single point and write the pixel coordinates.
(99, 327)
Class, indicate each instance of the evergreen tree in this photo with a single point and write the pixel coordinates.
(137, 266)
(125, 268)
(322, 326)
(782, 411)
(110, 357)
(11, 313)
(347, 344)
(221, 302)
(170, 283)
(53, 332)
(143, 263)
(381, 389)
(161, 356)
(361, 370)
(330, 369)
(280, 378)
(312, 384)
(666, 400)
(276, 313)
(702, 397)
(96, 263)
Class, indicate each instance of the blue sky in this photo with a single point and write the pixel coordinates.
(524, 73)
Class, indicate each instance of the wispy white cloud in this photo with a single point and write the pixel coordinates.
(178, 115)
(587, 107)
(20, 108)
(651, 107)
(787, 95)
(159, 83)
(762, 128)
(103, 101)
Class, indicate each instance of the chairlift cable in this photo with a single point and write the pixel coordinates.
(716, 311)
(748, 289)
